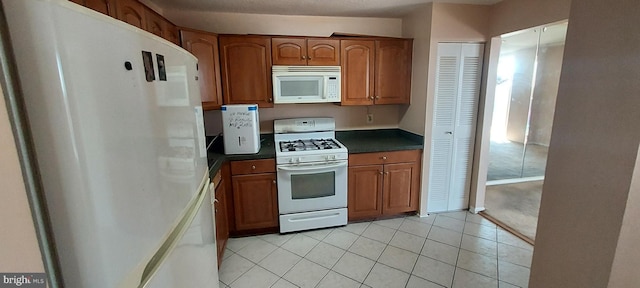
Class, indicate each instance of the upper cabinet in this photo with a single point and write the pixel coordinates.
(246, 69)
(393, 71)
(376, 71)
(305, 51)
(357, 61)
(204, 46)
(132, 12)
(154, 22)
(106, 7)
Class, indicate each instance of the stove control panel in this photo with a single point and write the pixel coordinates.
(311, 158)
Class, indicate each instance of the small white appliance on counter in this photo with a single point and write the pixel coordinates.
(241, 129)
(312, 174)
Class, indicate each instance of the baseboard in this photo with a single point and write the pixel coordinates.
(476, 210)
(508, 228)
(513, 181)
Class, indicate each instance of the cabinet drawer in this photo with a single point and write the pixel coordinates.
(253, 166)
(384, 157)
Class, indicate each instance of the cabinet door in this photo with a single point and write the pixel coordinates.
(205, 47)
(289, 51)
(255, 201)
(171, 33)
(103, 6)
(132, 12)
(357, 61)
(401, 185)
(323, 52)
(154, 22)
(222, 225)
(393, 71)
(457, 92)
(246, 70)
(365, 191)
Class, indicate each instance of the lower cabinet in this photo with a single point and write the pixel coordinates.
(383, 183)
(220, 214)
(255, 194)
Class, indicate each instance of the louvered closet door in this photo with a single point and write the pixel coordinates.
(459, 68)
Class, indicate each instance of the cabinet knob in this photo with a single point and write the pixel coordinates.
(386, 173)
(384, 157)
(308, 58)
(377, 97)
(380, 172)
(270, 100)
(274, 181)
(253, 167)
(448, 132)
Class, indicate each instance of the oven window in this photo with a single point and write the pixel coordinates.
(307, 186)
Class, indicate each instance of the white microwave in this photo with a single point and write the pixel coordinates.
(306, 84)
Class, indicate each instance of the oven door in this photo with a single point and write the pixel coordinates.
(312, 187)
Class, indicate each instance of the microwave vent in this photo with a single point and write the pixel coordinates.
(276, 68)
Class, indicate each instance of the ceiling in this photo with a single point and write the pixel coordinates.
(349, 8)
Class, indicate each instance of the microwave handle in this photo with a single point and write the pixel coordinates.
(311, 167)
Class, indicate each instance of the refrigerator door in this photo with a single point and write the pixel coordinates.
(188, 262)
(117, 124)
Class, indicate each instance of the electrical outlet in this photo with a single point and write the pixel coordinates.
(370, 118)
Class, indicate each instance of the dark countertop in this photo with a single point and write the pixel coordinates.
(381, 140)
(357, 141)
(216, 156)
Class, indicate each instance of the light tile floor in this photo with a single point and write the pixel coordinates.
(455, 249)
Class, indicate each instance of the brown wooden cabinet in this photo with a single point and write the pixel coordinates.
(305, 51)
(376, 71)
(154, 22)
(246, 69)
(106, 7)
(220, 215)
(132, 12)
(204, 46)
(383, 183)
(255, 194)
(357, 61)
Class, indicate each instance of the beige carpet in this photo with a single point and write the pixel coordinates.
(516, 205)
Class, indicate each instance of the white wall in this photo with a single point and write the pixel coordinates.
(590, 191)
(19, 251)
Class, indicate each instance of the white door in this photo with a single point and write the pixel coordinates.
(459, 68)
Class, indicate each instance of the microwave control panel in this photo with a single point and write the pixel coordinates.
(333, 87)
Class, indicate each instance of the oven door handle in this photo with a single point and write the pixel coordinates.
(311, 167)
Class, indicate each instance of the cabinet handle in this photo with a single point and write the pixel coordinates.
(253, 167)
(448, 132)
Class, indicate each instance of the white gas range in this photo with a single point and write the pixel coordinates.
(312, 174)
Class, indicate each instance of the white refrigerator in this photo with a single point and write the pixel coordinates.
(116, 117)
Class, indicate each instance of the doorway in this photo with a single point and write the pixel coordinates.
(527, 81)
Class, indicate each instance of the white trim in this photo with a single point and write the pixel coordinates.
(476, 210)
(515, 180)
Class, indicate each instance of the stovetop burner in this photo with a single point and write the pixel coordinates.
(308, 145)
